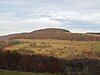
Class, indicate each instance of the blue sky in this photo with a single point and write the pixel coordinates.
(27, 15)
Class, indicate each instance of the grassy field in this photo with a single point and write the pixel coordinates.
(5, 72)
(57, 48)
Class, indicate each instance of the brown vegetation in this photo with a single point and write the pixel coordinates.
(53, 33)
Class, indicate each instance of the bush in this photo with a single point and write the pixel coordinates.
(15, 42)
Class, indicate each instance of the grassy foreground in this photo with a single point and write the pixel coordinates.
(6, 72)
(56, 48)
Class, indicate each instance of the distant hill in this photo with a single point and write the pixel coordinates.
(52, 33)
(64, 44)
(93, 33)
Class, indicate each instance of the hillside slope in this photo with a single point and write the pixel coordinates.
(53, 33)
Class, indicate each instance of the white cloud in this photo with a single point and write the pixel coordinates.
(93, 17)
(7, 24)
(42, 22)
(26, 25)
(28, 15)
(90, 17)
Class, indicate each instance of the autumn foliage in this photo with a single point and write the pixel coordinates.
(38, 63)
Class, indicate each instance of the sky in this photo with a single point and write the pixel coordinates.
(79, 16)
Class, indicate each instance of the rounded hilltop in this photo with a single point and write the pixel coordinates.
(52, 29)
(53, 33)
(49, 33)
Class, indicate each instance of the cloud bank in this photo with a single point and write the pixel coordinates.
(28, 15)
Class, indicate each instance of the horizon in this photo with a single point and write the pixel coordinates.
(43, 29)
(77, 16)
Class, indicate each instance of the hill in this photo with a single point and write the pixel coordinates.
(93, 33)
(51, 50)
(52, 33)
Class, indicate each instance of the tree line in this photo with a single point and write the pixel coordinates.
(12, 60)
